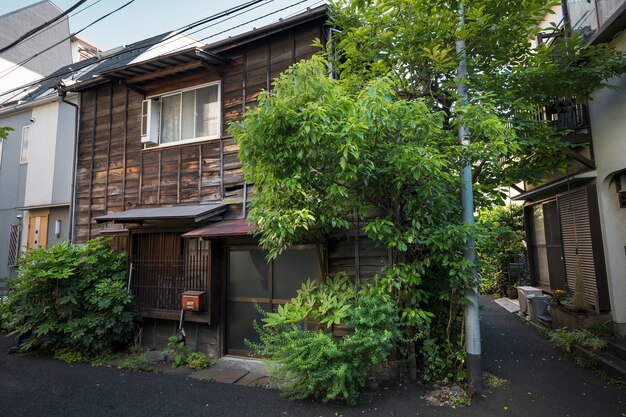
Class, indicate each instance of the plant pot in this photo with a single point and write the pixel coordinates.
(572, 320)
(511, 293)
(340, 330)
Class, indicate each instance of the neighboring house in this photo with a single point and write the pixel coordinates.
(36, 159)
(158, 172)
(576, 220)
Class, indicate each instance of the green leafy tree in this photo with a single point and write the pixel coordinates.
(380, 141)
(502, 239)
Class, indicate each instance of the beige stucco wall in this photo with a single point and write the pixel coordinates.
(608, 124)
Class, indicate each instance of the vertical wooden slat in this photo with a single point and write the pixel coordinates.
(124, 145)
(108, 163)
(93, 151)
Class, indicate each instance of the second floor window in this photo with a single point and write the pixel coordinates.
(24, 147)
(184, 115)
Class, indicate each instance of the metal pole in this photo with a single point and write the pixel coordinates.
(472, 318)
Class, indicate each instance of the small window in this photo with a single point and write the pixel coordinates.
(25, 140)
(14, 244)
(192, 114)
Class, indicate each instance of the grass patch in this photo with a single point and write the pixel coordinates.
(138, 361)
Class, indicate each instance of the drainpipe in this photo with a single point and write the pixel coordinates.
(63, 94)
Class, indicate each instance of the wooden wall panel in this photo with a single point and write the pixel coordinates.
(115, 172)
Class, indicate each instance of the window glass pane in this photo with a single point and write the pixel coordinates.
(25, 140)
(539, 232)
(291, 269)
(170, 119)
(189, 103)
(207, 111)
(241, 316)
(249, 274)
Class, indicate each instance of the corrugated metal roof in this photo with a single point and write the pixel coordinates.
(237, 227)
(196, 212)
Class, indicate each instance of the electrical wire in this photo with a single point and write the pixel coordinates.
(59, 22)
(40, 27)
(177, 32)
(24, 62)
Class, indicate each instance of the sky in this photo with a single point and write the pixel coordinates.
(145, 18)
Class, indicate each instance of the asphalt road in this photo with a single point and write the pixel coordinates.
(540, 382)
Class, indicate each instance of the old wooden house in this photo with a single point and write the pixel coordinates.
(158, 172)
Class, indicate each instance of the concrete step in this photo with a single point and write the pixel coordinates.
(612, 365)
(617, 348)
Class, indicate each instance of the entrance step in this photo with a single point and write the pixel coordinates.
(612, 365)
(617, 348)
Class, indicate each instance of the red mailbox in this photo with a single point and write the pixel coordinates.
(193, 300)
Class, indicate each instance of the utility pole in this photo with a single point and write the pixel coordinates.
(472, 318)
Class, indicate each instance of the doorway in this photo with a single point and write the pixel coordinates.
(254, 284)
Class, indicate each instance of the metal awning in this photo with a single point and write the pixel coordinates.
(237, 227)
(556, 187)
(197, 213)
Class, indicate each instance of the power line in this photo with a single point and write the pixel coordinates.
(179, 31)
(58, 23)
(40, 27)
(21, 64)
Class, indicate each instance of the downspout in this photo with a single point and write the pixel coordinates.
(63, 94)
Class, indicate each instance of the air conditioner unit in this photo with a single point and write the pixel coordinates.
(522, 297)
(150, 121)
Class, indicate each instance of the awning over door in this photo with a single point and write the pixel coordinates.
(237, 227)
(197, 213)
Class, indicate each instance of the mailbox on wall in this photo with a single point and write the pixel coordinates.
(194, 301)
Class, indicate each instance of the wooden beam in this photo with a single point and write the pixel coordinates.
(165, 72)
(583, 160)
(134, 88)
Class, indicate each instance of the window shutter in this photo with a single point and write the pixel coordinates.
(150, 121)
(577, 242)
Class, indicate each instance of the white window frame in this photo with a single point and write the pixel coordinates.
(149, 123)
(25, 135)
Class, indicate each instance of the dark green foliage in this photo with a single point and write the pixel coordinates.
(178, 349)
(381, 143)
(71, 297)
(501, 231)
(318, 364)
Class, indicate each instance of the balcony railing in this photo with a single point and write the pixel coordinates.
(158, 284)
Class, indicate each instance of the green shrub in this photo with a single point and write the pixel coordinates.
(317, 364)
(70, 297)
(178, 349)
(565, 339)
(198, 361)
(502, 238)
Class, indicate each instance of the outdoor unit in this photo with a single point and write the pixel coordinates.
(522, 296)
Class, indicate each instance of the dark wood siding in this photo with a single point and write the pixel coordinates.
(115, 172)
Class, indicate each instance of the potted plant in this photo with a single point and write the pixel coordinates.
(511, 292)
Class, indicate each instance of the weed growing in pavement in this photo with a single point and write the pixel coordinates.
(493, 381)
(198, 361)
(138, 361)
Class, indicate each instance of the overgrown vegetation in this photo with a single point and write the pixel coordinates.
(565, 339)
(379, 143)
(70, 299)
(501, 240)
(182, 355)
(318, 363)
(138, 361)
